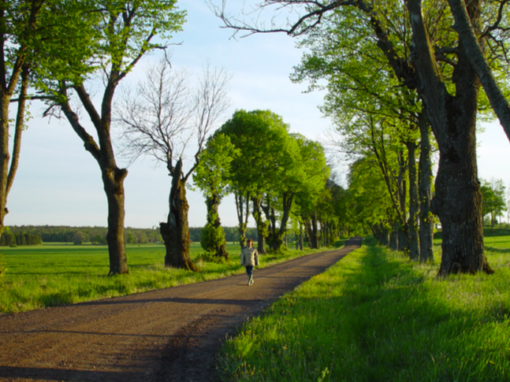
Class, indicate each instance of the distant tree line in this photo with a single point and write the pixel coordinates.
(33, 235)
(12, 238)
(79, 235)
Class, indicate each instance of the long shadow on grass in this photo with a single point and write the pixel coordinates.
(385, 325)
(498, 250)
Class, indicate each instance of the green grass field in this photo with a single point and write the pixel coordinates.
(375, 316)
(57, 274)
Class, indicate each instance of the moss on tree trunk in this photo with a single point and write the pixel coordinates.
(175, 231)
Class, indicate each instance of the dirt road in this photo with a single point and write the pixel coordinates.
(165, 335)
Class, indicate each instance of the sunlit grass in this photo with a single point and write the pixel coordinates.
(375, 316)
(57, 274)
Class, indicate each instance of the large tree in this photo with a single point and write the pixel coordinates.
(29, 32)
(484, 44)
(160, 120)
(266, 152)
(124, 33)
(438, 68)
(305, 174)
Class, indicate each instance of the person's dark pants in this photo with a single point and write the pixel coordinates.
(249, 270)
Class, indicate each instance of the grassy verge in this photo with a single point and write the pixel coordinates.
(58, 274)
(375, 316)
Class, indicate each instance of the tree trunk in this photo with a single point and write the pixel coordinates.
(276, 234)
(403, 239)
(113, 177)
(113, 181)
(458, 199)
(380, 232)
(308, 232)
(301, 236)
(474, 52)
(243, 211)
(261, 225)
(394, 236)
(414, 248)
(213, 203)
(315, 233)
(175, 231)
(403, 230)
(425, 191)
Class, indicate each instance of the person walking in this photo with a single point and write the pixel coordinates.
(249, 258)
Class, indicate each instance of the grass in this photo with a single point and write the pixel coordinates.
(375, 316)
(58, 274)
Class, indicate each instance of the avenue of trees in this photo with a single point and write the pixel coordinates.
(402, 85)
(433, 73)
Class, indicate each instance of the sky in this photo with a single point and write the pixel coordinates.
(59, 183)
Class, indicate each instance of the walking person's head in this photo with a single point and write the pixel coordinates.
(249, 243)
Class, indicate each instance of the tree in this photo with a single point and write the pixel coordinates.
(365, 102)
(160, 120)
(78, 238)
(122, 33)
(473, 39)
(211, 176)
(493, 199)
(28, 34)
(306, 174)
(263, 142)
(449, 89)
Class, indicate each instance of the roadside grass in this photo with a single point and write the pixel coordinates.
(375, 316)
(57, 274)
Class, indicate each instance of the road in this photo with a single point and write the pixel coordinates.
(164, 335)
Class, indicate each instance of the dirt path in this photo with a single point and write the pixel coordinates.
(165, 335)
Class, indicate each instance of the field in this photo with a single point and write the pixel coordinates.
(57, 274)
(375, 316)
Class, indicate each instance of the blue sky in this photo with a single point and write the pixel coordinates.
(59, 183)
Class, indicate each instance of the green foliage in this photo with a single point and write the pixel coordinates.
(13, 238)
(493, 199)
(212, 237)
(264, 150)
(376, 316)
(213, 172)
(102, 35)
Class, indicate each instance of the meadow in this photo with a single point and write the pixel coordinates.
(376, 316)
(55, 274)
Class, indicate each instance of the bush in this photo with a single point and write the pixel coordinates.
(212, 237)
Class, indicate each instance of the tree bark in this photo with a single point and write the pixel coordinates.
(261, 225)
(276, 234)
(394, 236)
(403, 229)
(457, 201)
(175, 231)
(301, 236)
(113, 180)
(315, 233)
(414, 248)
(213, 203)
(475, 53)
(425, 191)
(243, 211)
(113, 177)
